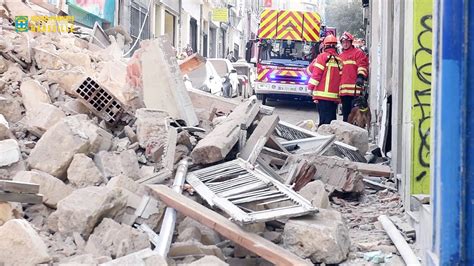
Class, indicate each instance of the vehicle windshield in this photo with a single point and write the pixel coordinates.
(220, 66)
(287, 52)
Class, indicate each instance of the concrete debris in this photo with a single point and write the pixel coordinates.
(21, 245)
(5, 132)
(75, 107)
(118, 163)
(347, 133)
(33, 94)
(151, 125)
(85, 259)
(52, 189)
(341, 174)
(304, 237)
(163, 88)
(115, 240)
(9, 152)
(208, 236)
(82, 210)
(316, 194)
(9, 211)
(42, 117)
(179, 249)
(10, 108)
(208, 260)
(145, 257)
(77, 134)
(218, 143)
(82, 172)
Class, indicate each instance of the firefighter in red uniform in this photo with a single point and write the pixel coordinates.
(354, 73)
(325, 79)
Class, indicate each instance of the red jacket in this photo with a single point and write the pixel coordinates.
(355, 62)
(325, 76)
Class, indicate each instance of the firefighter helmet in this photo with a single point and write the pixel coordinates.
(330, 40)
(347, 36)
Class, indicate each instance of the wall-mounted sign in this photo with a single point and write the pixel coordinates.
(220, 15)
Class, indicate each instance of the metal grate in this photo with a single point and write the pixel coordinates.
(290, 133)
(350, 152)
(247, 194)
(100, 100)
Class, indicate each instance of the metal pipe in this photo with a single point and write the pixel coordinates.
(169, 220)
(407, 254)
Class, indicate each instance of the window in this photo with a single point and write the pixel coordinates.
(137, 19)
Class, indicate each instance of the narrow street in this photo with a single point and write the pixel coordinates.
(133, 132)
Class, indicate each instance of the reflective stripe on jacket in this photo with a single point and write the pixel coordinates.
(355, 62)
(325, 76)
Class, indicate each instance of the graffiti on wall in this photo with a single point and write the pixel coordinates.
(421, 96)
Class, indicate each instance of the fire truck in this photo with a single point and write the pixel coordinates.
(287, 43)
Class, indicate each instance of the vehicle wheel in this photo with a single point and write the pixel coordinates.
(262, 97)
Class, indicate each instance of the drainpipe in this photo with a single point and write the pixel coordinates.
(169, 220)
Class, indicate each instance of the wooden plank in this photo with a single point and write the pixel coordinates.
(374, 169)
(263, 130)
(19, 187)
(253, 242)
(218, 143)
(21, 197)
(191, 63)
(273, 143)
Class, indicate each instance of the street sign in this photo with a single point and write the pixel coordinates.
(220, 15)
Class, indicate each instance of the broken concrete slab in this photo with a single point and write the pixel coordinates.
(151, 124)
(74, 107)
(83, 209)
(67, 79)
(46, 58)
(208, 236)
(208, 260)
(52, 189)
(33, 93)
(42, 117)
(75, 59)
(21, 245)
(122, 181)
(82, 172)
(77, 134)
(347, 133)
(179, 249)
(145, 257)
(9, 152)
(118, 163)
(190, 234)
(316, 194)
(115, 240)
(324, 238)
(218, 143)
(163, 88)
(10, 108)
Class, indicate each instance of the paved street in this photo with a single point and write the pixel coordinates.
(294, 111)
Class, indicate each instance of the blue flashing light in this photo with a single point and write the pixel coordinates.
(272, 75)
(304, 77)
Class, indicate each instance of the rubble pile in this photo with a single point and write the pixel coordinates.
(83, 132)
